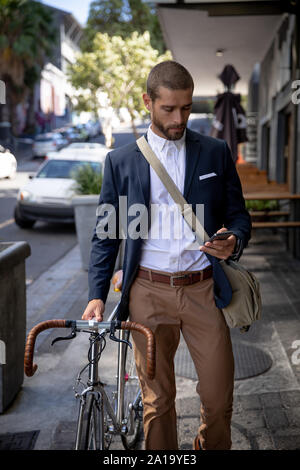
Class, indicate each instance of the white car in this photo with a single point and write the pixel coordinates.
(48, 142)
(48, 195)
(8, 163)
(86, 145)
(78, 149)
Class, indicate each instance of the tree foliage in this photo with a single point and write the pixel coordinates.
(88, 181)
(122, 18)
(118, 67)
(26, 40)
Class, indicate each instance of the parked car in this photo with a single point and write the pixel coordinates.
(44, 143)
(81, 148)
(71, 134)
(48, 195)
(81, 128)
(86, 145)
(93, 128)
(8, 163)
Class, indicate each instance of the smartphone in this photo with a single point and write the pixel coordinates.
(220, 236)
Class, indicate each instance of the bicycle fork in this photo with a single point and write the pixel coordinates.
(96, 389)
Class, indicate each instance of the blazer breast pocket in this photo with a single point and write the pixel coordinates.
(209, 180)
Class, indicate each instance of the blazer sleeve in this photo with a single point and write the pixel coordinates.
(104, 251)
(237, 217)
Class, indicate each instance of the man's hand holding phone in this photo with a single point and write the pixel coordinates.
(221, 244)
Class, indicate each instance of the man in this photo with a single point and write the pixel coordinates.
(168, 286)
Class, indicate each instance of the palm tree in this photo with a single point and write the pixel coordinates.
(26, 41)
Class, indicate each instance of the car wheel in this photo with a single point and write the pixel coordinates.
(21, 222)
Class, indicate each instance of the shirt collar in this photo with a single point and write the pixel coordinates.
(161, 143)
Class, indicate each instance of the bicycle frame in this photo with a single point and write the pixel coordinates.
(93, 398)
(95, 387)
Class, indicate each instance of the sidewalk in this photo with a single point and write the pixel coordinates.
(267, 386)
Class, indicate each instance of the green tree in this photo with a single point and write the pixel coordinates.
(26, 40)
(117, 67)
(122, 18)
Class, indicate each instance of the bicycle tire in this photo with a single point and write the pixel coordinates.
(131, 392)
(93, 435)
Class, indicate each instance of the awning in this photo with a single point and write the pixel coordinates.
(204, 38)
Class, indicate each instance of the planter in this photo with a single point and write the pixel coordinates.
(85, 221)
(12, 319)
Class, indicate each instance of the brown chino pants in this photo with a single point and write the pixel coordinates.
(190, 309)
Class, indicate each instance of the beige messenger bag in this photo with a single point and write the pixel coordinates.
(245, 306)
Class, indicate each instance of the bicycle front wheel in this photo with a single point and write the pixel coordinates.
(91, 433)
(129, 395)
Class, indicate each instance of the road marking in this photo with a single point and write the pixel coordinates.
(7, 222)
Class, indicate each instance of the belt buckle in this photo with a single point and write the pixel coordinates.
(177, 277)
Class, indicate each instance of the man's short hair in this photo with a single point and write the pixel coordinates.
(168, 74)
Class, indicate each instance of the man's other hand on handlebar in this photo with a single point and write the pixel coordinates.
(95, 307)
(117, 280)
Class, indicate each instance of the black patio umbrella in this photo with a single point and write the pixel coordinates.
(229, 121)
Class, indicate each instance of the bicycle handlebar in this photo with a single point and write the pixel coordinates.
(31, 368)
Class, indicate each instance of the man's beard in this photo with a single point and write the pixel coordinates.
(166, 130)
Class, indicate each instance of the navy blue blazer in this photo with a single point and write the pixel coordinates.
(127, 173)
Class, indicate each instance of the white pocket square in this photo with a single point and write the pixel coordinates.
(208, 175)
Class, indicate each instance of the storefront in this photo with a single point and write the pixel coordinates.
(261, 40)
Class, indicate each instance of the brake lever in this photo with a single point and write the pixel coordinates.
(62, 338)
(114, 338)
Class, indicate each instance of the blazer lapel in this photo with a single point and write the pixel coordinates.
(143, 172)
(192, 159)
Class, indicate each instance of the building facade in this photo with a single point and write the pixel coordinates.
(52, 95)
(261, 40)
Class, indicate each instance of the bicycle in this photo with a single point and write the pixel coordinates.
(100, 418)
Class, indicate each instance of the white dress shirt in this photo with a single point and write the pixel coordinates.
(166, 248)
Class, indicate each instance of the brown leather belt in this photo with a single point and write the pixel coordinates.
(175, 280)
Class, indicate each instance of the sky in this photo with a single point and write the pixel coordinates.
(79, 8)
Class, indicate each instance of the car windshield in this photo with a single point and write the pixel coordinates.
(47, 138)
(65, 168)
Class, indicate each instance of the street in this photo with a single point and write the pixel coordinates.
(48, 242)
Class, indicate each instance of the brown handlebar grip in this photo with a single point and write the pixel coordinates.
(29, 367)
(150, 344)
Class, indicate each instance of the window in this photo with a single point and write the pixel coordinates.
(65, 168)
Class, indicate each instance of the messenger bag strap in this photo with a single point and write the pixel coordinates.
(185, 208)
